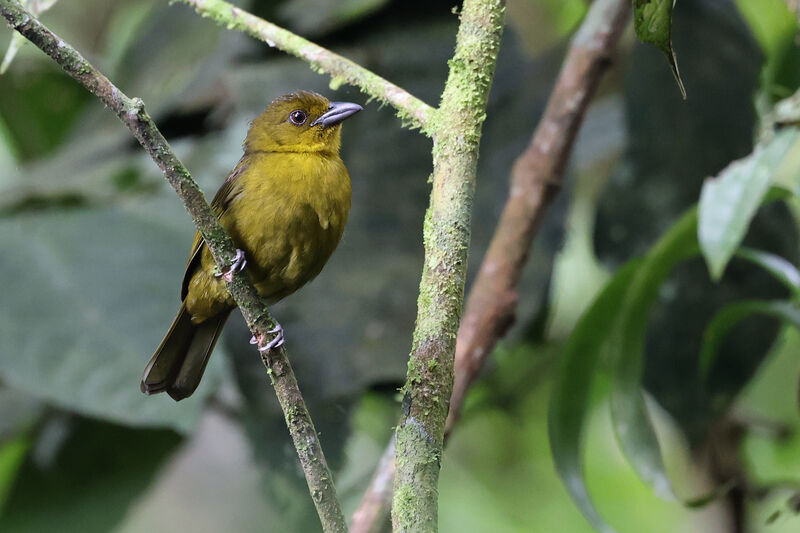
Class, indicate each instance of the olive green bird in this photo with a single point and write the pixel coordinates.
(285, 205)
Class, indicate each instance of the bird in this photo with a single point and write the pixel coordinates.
(285, 205)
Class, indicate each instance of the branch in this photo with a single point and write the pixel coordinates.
(536, 178)
(342, 70)
(133, 115)
(456, 130)
(372, 515)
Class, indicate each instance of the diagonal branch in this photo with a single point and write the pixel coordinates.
(131, 112)
(536, 179)
(409, 108)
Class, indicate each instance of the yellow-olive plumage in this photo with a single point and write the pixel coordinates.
(285, 205)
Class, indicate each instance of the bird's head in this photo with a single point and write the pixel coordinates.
(301, 121)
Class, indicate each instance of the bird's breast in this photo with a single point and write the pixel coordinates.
(289, 218)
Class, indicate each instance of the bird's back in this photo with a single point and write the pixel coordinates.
(302, 202)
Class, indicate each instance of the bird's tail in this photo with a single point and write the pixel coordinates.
(181, 358)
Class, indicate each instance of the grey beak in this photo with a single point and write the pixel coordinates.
(337, 112)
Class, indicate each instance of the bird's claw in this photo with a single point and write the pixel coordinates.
(239, 262)
(276, 342)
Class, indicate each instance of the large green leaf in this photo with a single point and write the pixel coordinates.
(652, 20)
(632, 424)
(729, 201)
(89, 294)
(83, 475)
(86, 169)
(724, 321)
(570, 401)
(39, 110)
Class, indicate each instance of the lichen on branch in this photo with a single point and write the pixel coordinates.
(456, 130)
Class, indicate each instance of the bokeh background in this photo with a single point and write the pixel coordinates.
(93, 244)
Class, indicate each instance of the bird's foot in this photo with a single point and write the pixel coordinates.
(275, 342)
(238, 265)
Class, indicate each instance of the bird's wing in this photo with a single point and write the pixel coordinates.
(219, 204)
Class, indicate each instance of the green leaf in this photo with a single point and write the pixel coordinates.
(8, 154)
(18, 414)
(770, 21)
(83, 476)
(189, 56)
(616, 323)
(729, 201)
(40, 112)
(730, 315)
(632, 424)
(85, 167)
(775, 28)
(89, 297)
(565, 14)
(652, 20)
(780, 268)
(17, 40)
(570, 400)
(125, 25)
(12, 454)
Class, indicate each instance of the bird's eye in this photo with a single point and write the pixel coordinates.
(298, 117)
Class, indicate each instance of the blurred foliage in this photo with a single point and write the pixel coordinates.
(82, 475)
(729, 201)
(541, 24)
(571, 399)
(317, 17)
(674, 146)
(95, 243)
(36, 8)
(775, 28)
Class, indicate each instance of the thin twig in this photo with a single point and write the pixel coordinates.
(536, 178)
(456, 130)
(409, 108)
(372, 515)
(131, 112)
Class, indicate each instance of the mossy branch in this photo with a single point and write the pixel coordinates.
(456, 131)
(131, 112)
(410, 109)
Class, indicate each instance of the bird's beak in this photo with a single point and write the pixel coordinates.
(336, 113)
